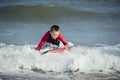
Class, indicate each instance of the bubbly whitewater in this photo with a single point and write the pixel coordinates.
(104, 58)
(91, 24)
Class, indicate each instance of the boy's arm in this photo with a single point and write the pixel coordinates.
(44, 38)
(63, 41)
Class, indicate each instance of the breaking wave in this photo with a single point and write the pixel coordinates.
(102, 58)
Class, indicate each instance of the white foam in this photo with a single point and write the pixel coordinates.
(86, 59)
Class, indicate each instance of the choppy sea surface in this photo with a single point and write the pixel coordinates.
(93, 25)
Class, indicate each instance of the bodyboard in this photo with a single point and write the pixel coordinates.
(59, 50)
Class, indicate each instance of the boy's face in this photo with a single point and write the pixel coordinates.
(54, 34)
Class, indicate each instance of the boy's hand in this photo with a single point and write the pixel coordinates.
(66, 47)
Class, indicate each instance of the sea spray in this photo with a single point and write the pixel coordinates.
(82, 58)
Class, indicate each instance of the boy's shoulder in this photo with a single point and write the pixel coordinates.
(47, 33)
(60, 36)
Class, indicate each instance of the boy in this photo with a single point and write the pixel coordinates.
(53, 37)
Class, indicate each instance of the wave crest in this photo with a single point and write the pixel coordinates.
(81, 58)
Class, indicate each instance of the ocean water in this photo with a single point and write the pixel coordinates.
(93, 25)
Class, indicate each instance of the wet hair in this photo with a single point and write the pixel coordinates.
(54, 28)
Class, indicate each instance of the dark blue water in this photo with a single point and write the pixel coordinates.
(82, 22)
(94, 25)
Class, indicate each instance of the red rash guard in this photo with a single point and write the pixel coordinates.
(46, 37)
